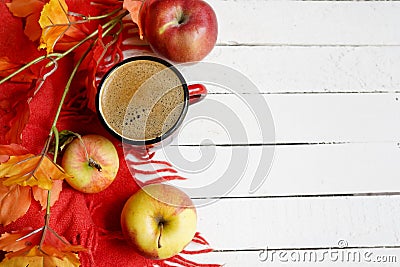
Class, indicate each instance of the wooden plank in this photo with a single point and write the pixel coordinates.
(237, 224)
(288, 69)
(308, 22)
(305, 258)
(296, 118)
(214, 172)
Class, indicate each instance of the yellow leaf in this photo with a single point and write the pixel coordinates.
(31, 170)
(54, 23)
(34, 257)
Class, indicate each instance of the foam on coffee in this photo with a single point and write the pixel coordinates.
(142, 99)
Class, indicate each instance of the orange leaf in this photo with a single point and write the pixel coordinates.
(12, 149)
(41, 195)
(29, 9)
(27, 247)
(73, 35)
(134, 6)
(7, 68)
(31, 170)
(14, 202)
(32, 27)
(9, 242)
(54, 23)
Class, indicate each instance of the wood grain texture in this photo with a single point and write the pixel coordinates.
(313, 69)
(301, 223)
(305, 258)
(296, 170)
(331, 23)
(296, 118)
(329, 74)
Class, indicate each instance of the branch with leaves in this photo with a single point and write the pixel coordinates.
(24, 175)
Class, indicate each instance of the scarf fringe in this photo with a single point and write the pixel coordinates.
(143, 164)
(157, 167)
(153, 162)
(183, 262)
(155, 171)
(201, 251)
(164, 179)
(200, 240)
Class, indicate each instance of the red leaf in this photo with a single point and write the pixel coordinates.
(18, 122)
(73, 35)
(14, 114)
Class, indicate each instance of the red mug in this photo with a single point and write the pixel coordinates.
(120, 94)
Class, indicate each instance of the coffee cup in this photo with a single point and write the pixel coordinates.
(143, 100)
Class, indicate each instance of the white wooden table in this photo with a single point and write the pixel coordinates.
(330, 74)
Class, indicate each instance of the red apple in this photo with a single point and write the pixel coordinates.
(159, 221)
(180, 30)
(92, 161)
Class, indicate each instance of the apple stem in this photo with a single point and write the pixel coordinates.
(160, 226)
(91, 162)
(95, 164)
(182, 19)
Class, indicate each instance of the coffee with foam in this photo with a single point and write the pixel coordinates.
(142, 99)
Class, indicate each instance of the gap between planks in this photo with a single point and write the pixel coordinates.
(332, 195)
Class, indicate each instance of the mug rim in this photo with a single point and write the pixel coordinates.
(169, 132)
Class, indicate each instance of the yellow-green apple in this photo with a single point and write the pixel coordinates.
(92, 161)
(159, 221)
(180, 30)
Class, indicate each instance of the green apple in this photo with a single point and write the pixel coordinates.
(159, 220)
(92, 161)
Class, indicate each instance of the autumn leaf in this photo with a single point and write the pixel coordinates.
(41, 247)
(54, 23)
(11, 149)
(41, 195)
(35, 258)
(31, 170)
(76, 32)
(29, 9)
(14, 202)
(8, 241)
(16, 199)
(7, 67)
(14, 107)
(17, 118)
(134, 6)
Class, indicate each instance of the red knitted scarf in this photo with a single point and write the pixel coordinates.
(90, 220)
